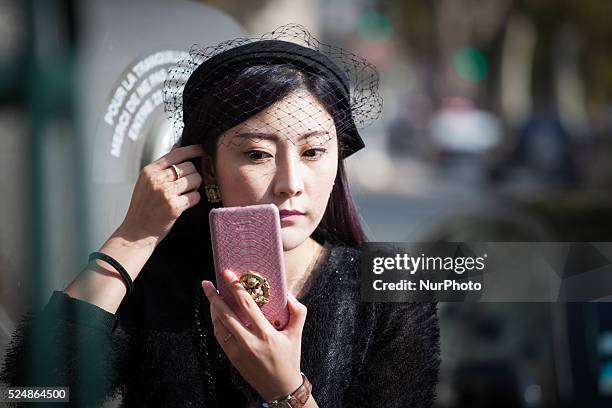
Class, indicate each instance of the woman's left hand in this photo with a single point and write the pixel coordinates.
(268, 359)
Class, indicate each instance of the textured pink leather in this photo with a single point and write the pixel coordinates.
(248, 239)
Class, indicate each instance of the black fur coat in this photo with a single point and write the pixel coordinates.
(355, 354)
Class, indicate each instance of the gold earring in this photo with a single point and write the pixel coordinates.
(213, 195)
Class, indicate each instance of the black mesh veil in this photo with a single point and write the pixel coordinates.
(207, 90)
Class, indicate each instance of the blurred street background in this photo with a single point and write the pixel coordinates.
(496, 126)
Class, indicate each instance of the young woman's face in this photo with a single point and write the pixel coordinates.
(286, 155)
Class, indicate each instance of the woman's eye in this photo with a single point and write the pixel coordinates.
(256, 155)
(315, 153)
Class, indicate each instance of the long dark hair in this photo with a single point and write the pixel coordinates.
(163, 298)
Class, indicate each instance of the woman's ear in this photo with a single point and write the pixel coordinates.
(208, 169)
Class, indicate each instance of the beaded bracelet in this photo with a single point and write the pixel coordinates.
(112, 261)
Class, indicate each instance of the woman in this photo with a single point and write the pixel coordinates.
(264, 121)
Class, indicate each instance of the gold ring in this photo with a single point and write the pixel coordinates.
(227, 337)
(177, 171)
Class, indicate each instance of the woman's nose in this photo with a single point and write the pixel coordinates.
(288, 180)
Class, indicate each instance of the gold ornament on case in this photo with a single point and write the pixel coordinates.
(257, 286)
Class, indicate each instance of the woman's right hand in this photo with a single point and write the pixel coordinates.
(159, 199)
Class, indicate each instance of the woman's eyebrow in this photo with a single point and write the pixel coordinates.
(272, 136)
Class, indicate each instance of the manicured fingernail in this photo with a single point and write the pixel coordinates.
(230, 276)
(207, 286)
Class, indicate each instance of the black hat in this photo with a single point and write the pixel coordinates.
(354, 81)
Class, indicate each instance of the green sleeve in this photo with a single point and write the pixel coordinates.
(70, 343)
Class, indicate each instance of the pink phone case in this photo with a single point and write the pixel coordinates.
(245, 240)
